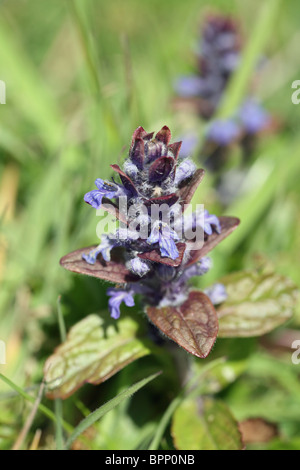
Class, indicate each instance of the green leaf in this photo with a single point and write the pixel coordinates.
(97, 414)
(205, 425)
(93, 352)
(257, 303)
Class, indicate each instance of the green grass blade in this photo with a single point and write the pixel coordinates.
(58, 406)
(164, 422)
(189, 389)
(97, 414)
(43, 409)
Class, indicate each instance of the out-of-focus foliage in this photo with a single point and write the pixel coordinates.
(80, 77)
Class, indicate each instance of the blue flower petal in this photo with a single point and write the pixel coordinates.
(117, 296)
(94, 198)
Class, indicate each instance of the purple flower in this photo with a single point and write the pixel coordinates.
(197, 269)
(117, 296)
(104, 248)
(253, 116)
(139, 266)
(208, 222)
(216, 293)
(105, 189)
(223, 132)
(185, 170)
(189, 86)
(189, 144)
(162, 234)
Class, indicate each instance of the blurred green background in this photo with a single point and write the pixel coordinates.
(80, 77)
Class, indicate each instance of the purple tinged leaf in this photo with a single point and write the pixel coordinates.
(128, 184)
(187, 192)
(155, 256)
(227, 225)
(175, 149)
(164, 135)
(137, 153)
(160, 169)
(111, 271)
(139, 133)
(192, 325)
(149, 136)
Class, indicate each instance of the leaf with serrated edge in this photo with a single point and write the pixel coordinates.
(192, 325)
(109, 271)
(205, 425)
(256, 304)
(93, 352)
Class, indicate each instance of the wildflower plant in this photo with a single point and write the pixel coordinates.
(158, 247)
(218, 57)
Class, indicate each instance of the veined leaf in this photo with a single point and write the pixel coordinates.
(111, 271)
(93, 352)
(257, 303)
(228, 225)
(205, 425)
(193, 325)
(97, 414)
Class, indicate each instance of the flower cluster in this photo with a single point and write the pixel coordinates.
(146, 256)
(218, 57)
